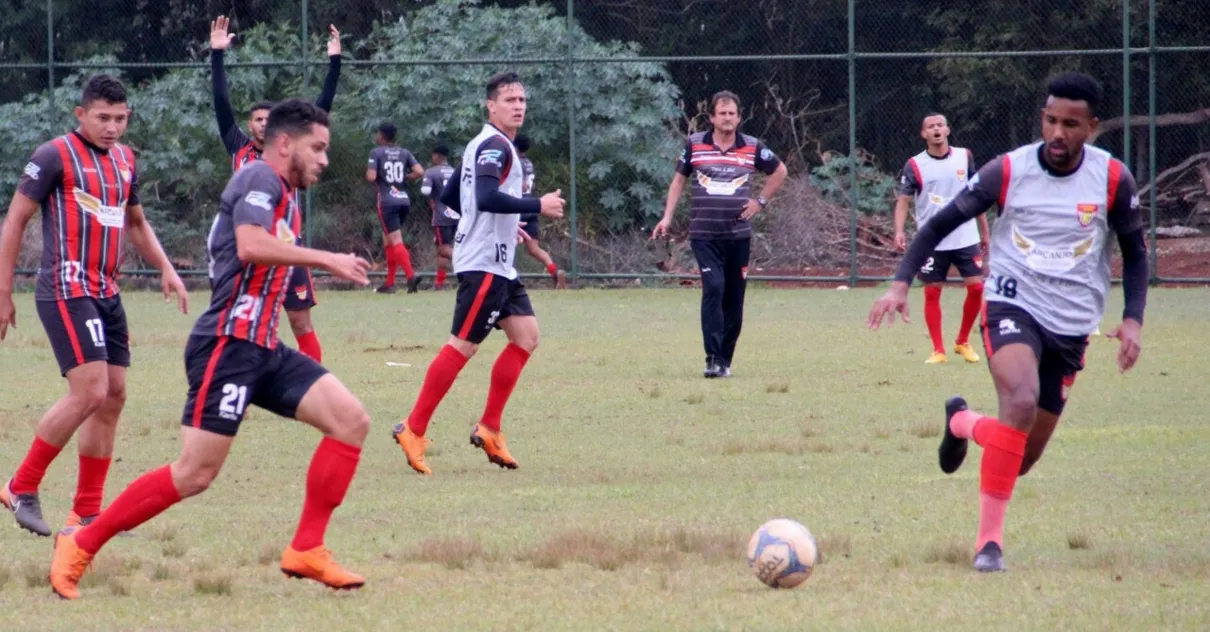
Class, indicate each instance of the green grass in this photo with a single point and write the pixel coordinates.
(640, 481)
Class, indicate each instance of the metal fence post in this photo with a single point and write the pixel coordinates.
(852, 144)
(1151, 55)
(308, 229)
(1126, 82)
(571, 139)
(50, 66)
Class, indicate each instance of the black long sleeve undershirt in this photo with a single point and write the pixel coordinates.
(489, 197)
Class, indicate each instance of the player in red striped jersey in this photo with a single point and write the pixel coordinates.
(234, 358)
(87, 186)
(245, 149)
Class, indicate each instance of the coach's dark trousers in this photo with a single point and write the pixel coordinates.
(723, 264)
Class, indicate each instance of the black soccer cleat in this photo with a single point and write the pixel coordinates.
(952, 450)
(990, 559)
(27, 510)
(413, 285)
(386, 289)
(713, 370)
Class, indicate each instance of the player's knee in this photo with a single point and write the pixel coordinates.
(90, 394)
(713, 284)
(1021, 402)
(193, 479)
(116, 395)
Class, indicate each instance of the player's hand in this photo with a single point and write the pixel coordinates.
(220, 39)
(895, 300)
(1129, 335)
(333, 41)
(751, 208)
(349, 267)
(661, 229)
(8, 313)
(172, 285)
(552, 204)
(900, 241)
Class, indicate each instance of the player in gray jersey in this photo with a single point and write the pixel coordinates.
(1058, 201)
(445, 219)
(932, 178)
(488, 195)
(390, 169)
(530, 223)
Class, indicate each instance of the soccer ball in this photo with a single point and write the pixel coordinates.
(782, 553)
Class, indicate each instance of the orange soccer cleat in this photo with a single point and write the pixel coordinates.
(493, 444)
(317, 564)
(413, 447)
(69, 564)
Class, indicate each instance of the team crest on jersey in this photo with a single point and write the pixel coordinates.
(125, 173)
(284, 232)
(1086, 213)
(962, 175)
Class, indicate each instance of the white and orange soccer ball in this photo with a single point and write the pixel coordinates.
(782, 553)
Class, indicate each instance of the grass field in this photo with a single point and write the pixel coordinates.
(640, 482)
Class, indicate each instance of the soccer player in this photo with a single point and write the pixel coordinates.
(445, 219)
(722, 162)
(234, 358)
(244, 149)
(529, 223)
(87, 185)
(391, 168)
(1058, 201)
(488, 193)
(933, 177)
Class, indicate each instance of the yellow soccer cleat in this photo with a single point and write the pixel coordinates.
(937, 358)
(967, 352)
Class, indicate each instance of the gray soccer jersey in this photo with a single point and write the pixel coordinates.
(393, 165)
(485, 241)
(1050, 242)
(933, 182)
(435, 179)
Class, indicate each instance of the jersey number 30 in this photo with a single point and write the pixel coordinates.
(394, 172)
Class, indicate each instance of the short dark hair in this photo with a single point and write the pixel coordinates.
(442, 150)
(500, 79)
(103, 88)
(931, 115)
(294, 117)
(723, 95)
(260, 105)
(388, 132)
(521, 142)
(1077, 86)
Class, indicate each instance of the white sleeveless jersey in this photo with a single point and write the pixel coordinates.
(938, 181)
(485, 241)
(1049, 244)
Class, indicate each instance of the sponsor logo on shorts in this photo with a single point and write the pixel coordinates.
(301, 292)
(1008, 326)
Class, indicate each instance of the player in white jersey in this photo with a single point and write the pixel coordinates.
(932, 178)
(488, 195)
(1049, 274)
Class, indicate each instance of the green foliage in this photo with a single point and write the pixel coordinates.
(875, 189)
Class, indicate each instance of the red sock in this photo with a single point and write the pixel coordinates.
(932, 316)
(1002, 456)
(968, 424)
(392, 265)
(553, 269)
(505, 372)
(437, 382)
(440, 278)
(90, 488)
(33, 468)
(404, 259)
(328, 479)
(970, 311)
(148, 496)
(308, 344)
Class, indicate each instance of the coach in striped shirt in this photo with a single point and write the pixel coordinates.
(722, 163)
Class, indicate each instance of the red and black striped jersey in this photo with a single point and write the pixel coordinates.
(721, 183)
(244, 155)
(84, 191)
(247, 297)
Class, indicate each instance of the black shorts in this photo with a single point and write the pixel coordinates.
(968, 260)
(300, 294)
(485, 299)
(83, 330)
(1060, 358)
(392, 216)
(531, 225)
(444, 235)
(226, 374)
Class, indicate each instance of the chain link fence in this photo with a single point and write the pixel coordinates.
(836, 88)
